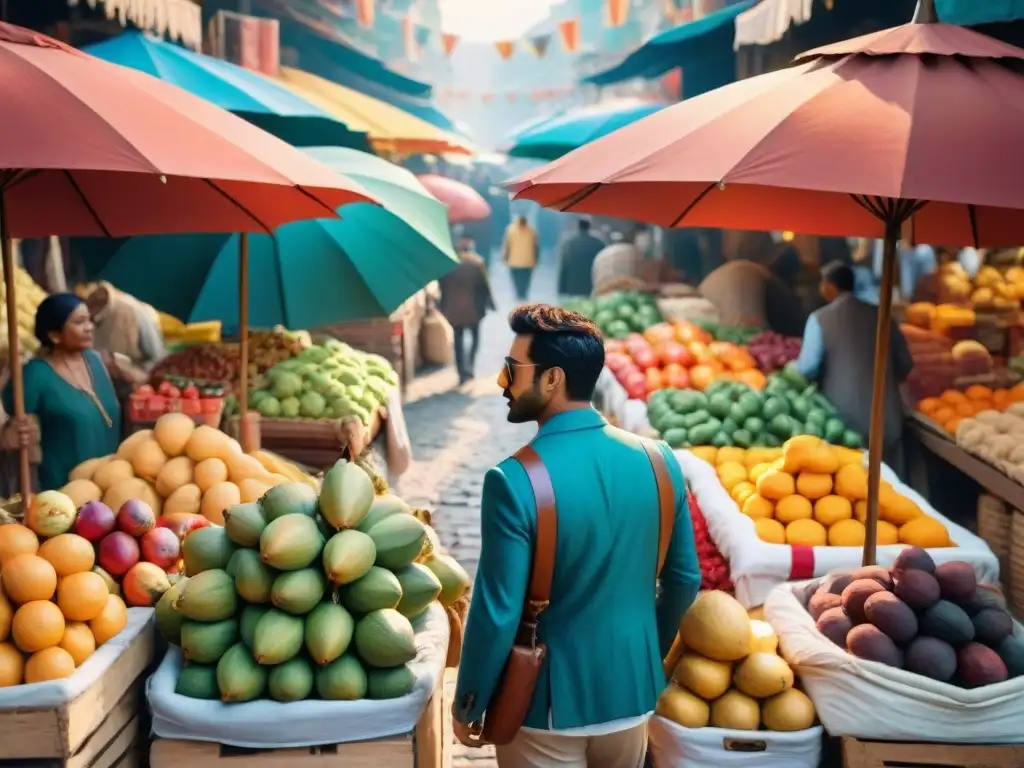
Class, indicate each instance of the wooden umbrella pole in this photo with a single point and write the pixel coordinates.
(243, 348)
(876, 439)
(13, 349)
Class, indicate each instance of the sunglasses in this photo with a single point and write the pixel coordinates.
(511, 365)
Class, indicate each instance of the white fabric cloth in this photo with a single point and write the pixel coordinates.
(903, 706)
(767, 22)
(673, 746)
(272, 725)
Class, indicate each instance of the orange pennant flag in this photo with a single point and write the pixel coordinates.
(365, 13)
(512, 96)
(569, 32)
(448, 43)
(616, 12)
(487, 97)
(505, 48)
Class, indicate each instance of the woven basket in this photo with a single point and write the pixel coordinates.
(995, 521)
(1015, 593)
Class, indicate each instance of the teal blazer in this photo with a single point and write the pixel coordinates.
(606, 634)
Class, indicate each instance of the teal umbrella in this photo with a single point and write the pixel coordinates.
(307, 274)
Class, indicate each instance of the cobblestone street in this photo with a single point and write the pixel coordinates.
(457, 433)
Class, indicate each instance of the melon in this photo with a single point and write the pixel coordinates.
(252, 489)
(763, 674)
(705, 677)
(205, 442)
(174, 474)
(209, 473)
(790, 710)
(81, 492)
(126, 451)
(717, 626)
(683, 708)
(87, 469)
(113, 472)
(385, 639)
(148, 459)
(172, 431)
(736, 711)
(185, 500)
(217, 499)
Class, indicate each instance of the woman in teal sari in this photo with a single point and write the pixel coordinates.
(68, 392)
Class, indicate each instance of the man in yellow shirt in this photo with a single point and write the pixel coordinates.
(520, 252)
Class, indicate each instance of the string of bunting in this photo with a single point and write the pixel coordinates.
(512, 97)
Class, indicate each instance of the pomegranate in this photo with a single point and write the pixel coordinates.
(182, 523)
(135, 518)
(161, 546)
(118, 552)
(95, 520)
(144, 585)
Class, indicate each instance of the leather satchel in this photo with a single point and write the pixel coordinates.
(508, 708)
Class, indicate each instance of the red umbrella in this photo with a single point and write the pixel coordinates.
(91, 148)
(464, 203)
(910, 131)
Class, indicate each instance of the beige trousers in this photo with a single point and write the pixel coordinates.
(531, 749)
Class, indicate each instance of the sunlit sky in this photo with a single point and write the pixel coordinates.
(487, 20)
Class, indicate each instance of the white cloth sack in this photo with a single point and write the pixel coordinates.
(757, 566)
(57, 692)
(437, 339)
(399, 447)
(273, 725)
(869, 700)
(673, 746)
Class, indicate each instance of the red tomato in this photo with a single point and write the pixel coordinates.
(636, 389)
(635, 342)
(660, 332)
(616, 361)
(145, 391)
(645, 358)
(673, 352)
(191, 392)
(676, 376)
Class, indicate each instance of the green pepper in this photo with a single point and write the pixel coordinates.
(754, 425)
(800, 407)
(852, 440)
(775, 406)
(721, 440)
(781, 425)
(687, 400)
(676, 438)
(834, 429)
(729, 425)
(702, 434)
(696, 418)
(742, 438)
(738, 413)
(813, 428)
(719, 405)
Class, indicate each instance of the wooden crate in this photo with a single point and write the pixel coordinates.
(426, 747)
(105, 726)
(882, 754)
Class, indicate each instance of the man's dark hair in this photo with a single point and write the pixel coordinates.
(584, 225)
(840, 275)
(562, 339)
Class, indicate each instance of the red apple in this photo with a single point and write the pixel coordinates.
(161, 546)
(118, 552)
(95, 520)
(135, 518)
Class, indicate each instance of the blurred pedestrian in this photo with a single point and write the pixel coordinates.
(520, 251)
(465, 299)
(576, 262)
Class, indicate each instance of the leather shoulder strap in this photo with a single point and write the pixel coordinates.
(666, 499)
(547, 527)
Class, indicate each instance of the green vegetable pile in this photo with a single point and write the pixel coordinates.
(729, 413)
(330, 381)
(619, 314)
(736, 334)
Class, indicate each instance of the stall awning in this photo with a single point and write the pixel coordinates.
(669, 49)
(390, 129)
(767, 22)
(973, 12)
(180, 20)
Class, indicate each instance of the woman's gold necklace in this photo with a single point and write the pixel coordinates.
(89, 390)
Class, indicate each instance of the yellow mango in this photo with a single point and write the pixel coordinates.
(758, 470)
(796, 450)
(757, 507)
(792, 508)
(807, 533)
(776, 484)
(732, 474)
(830, 510)
(813, 485)
(729, 454)
(896, 509)
(741, 491)
(851, 482)
(925, 532)
(846, 533)
(771, 531)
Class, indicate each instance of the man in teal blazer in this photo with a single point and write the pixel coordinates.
(605, 631)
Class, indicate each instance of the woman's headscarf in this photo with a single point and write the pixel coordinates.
(52, 315)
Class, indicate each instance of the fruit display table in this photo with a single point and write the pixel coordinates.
(93, 718)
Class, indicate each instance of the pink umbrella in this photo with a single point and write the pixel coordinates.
(464, 203)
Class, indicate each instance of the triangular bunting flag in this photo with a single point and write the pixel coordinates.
(423, 33)
(505, 48)
(616, 13)
(448, 43)
(512, 96)
(365, 13)
(540, 45)
(487, 97)
(569, 32)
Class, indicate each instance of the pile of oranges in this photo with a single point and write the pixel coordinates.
(951, 406)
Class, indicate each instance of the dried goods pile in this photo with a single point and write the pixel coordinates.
(814, 494)
(57, 604)
(731, 413)
(726, 673)
(997, 438)
(220, 363)
(677, 356)
(30, 296)
(182, 471)
(325, 382)
(931, 620)
(301, 596)
(953, 407)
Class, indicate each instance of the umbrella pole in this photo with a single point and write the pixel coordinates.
(876, 438)
(13, 350)
(243, 350)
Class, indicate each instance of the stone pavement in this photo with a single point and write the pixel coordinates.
(457, 434)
